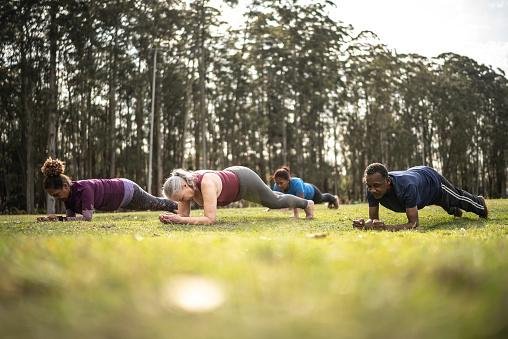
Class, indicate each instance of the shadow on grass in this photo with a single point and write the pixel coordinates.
(456, 223)
(239, 224)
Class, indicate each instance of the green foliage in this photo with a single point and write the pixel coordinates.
(109, 277)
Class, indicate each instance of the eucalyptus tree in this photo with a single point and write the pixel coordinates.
(11, 154)
(471, 116)
(230, 92)
(166, 29)
(492, 152)
(495, 137)
(418, 76)
(294, 50)
(262, 49)
(24, 56)
(487, 172)
(53, 36)
(81, 122)
(457, 118)
(201, 22)
(372, 79)
(149, 22)
(318, 69)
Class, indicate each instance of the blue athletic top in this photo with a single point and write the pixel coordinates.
(418, 186)
(297, 187)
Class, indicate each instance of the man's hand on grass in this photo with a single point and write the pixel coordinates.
(359, 223)
(368, 224)
(378, 223)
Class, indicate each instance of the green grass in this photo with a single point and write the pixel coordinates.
(110, 278)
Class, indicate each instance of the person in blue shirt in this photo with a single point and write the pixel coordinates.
(287, 184)
(411, 190)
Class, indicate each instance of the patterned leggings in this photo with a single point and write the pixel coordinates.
(143, 201)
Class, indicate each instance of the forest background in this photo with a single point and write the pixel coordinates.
(291, 86)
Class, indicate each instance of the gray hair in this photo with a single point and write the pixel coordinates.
(175, 182)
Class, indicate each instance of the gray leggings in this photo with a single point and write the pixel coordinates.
(252, 188)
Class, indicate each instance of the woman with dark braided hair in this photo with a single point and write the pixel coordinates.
(85, 196)
(287, 184)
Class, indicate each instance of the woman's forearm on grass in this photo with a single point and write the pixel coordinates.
(204, 220)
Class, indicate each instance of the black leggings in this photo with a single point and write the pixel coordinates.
(322, 197)
(143, 201)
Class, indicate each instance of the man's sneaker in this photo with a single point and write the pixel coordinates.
(485, 214)
(455, 211)
(334, 204)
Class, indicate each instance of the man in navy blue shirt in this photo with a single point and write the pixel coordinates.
(411, 190)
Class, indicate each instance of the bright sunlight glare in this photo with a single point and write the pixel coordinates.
(194, 294)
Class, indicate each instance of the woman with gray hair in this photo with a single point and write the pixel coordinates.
(219, 188)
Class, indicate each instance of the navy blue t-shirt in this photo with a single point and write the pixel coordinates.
(418, 186)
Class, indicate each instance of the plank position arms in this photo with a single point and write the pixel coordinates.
(220, 188)
(411, 190)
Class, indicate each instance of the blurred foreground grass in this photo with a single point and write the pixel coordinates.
(120, 276)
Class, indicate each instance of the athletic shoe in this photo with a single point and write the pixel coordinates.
(485, 214)
(456, 212)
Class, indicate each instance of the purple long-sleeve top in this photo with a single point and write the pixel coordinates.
(94, 194)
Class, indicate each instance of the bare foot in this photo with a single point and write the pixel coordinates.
(309, 210)
(334, 204)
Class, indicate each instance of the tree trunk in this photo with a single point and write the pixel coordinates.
(202, 91)
(53, 89)
(27, 110)
(112, 108)
(139, 119)
(158, 147)
(186, 114)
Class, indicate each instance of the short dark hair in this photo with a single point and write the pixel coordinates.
(375, 167)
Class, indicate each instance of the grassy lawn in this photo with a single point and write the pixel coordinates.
(255, 274)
